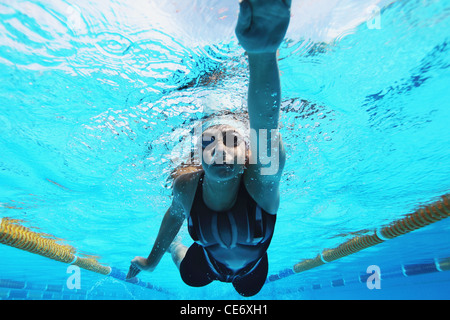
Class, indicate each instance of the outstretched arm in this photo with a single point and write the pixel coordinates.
(171, 224)
(264, 92)
(261, 27)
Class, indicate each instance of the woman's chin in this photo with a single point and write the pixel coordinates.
(223, 171)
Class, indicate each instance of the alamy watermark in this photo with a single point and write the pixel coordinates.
(75, 20)
(375, 21)
(374, 280)
(217, 146)
(74, 280)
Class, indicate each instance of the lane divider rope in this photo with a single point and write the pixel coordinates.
(14, 234)
(422, 217)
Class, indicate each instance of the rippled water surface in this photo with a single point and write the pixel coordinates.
(96, 96)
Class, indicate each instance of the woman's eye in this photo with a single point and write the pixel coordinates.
(236, 141)
(232, 139)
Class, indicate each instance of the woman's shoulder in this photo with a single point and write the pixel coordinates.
(185, 169)
(187, 179)
(185, 187)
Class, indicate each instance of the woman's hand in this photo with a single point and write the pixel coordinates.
(262, 24)
(138, 264)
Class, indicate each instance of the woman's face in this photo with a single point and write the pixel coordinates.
(223, 152)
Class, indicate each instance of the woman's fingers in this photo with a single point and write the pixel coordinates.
(131, 272)
(245, 16)
(134, 269)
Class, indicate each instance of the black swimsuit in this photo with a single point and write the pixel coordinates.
(230, 246)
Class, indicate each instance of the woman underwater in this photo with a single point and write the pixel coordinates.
(231, 204)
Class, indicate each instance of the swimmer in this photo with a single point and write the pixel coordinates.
(229, 203)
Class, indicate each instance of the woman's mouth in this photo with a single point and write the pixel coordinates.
(222, 165)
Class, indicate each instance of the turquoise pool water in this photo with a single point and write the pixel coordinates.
(96, 97)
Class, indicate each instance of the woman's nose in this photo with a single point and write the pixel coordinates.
(222, 154)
